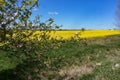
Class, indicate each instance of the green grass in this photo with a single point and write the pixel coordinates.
(76, 61)
(103, 51)
(7, 62)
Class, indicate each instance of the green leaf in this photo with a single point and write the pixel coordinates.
(34, 1)
(2, 2)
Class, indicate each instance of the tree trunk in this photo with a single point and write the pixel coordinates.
(4, 32)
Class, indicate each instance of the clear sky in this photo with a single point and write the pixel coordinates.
(75, 14)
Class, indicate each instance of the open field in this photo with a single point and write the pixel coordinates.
(68, 34)
(43, 40)
(98, 60)
(83, 34)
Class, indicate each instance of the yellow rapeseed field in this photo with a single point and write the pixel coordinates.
(83, 34)
(68, 34)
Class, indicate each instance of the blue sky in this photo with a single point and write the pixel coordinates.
(75, 14)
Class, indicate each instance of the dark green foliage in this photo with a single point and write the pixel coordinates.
(83, 29)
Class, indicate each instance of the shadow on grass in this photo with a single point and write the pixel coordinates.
(23, 71)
